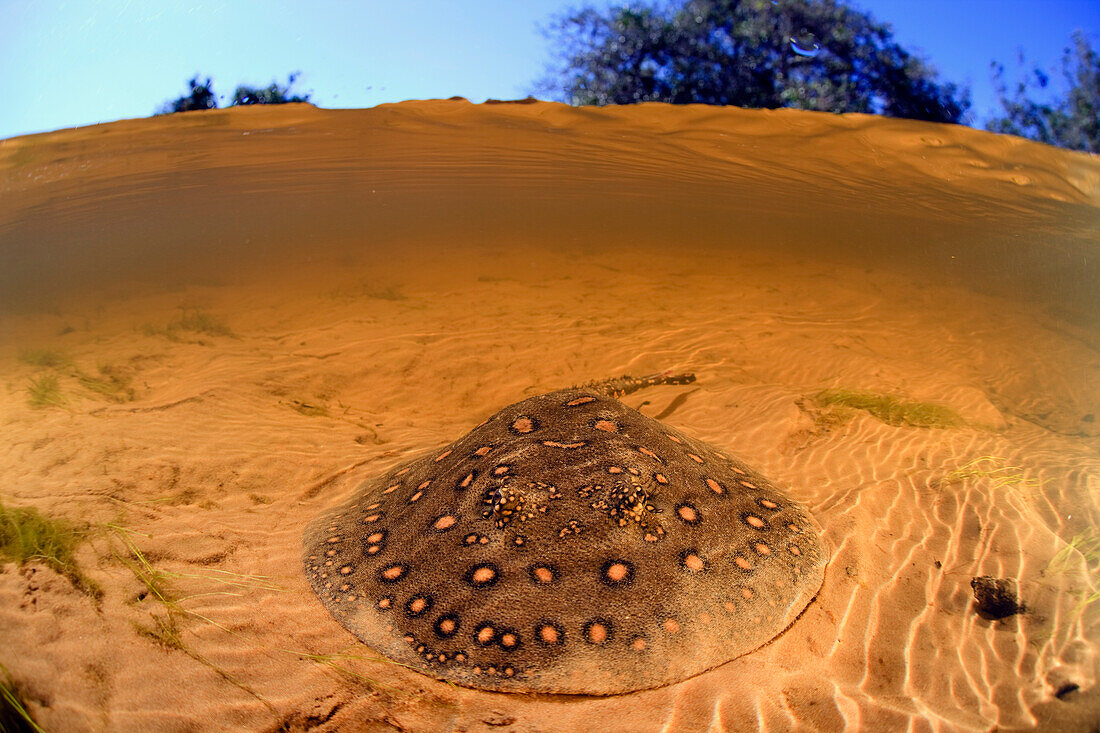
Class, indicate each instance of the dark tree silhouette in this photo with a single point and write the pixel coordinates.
(200, 96)
(1072, 121)
(271, 94)
(810, 54)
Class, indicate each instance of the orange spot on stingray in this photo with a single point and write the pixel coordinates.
(638, 644)
(729, 607)
(543, 574)
(687, 513)
(376, 537)
(447, 625)
(508, 640)
(672, 625)
(597, 633)
(391, 489)
(393, 572)
(466, 481)
(763, 549)
(444, 522)
(754, 520)
(614, 469)
(660, 478)
(384, 602)
(742, 563)
(483, 450)
(443, 455)
(372, 518)
(416, 496)
(647, 452)
(570, 446)
(485, 634)
(580, 401)
(747, 593)
(616, 572)
(695, 458)
(693, 562)
(768, 504)
(674, 439)
(417, 605)
(346, 570)
(794, 550)
(715, 486)
(484, 574)
(424, 485)
(523, 425)
(607, 426)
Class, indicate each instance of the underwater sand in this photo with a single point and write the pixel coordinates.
(255, 310)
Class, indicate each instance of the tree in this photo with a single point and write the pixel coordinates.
(810, 54)
(1070, 122)
(271, 94)
(201, 96)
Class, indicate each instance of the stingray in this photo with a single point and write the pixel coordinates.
(568, 544)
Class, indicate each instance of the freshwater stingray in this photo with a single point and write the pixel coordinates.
(568, 544)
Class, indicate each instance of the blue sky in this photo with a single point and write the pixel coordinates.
(78, 62)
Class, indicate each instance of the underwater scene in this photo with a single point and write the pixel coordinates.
(538, 416)
(835, 386)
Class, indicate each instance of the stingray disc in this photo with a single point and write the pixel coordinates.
(568, 544)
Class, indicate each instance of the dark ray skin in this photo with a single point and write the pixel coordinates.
(568, 544)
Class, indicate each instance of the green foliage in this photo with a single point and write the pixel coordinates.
(809, 54)
(200, 95)
(45, 391)
(271, 94)
(27, 535)
(891, 410)
(1072, 121)
(14, 717)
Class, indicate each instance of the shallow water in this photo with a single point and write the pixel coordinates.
(255, 310)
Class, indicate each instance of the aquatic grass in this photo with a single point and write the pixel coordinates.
(1085, 545)
(198, 321)
(165, 629)
(995, 470)
(44, 358)
(112, 382)
(14, 717)
(26, 535)
(332, 661)
(191, 320)
(890, 409)
(45, 391)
